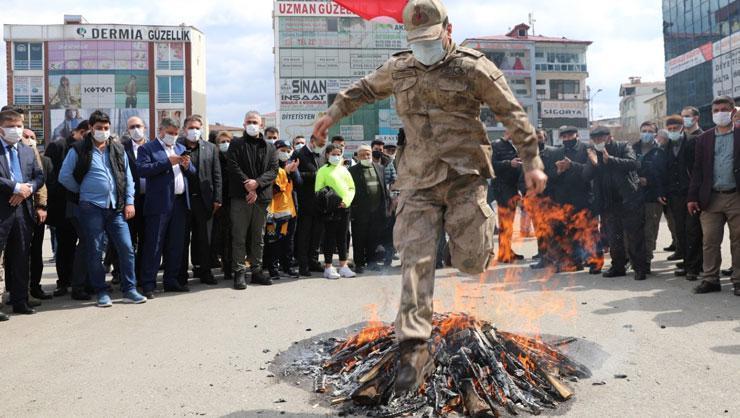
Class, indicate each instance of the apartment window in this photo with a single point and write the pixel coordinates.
(541, 93)
(559, 88)
(170, 56)
(541, 82)
(28, 90)
(170, 89)
(28, 56)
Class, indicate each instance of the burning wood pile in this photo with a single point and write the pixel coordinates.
(479, 371)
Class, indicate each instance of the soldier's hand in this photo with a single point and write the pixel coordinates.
(321, 128)
(536, 181)
(516, 162)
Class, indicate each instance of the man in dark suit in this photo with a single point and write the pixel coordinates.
(20, 176)
(204, 187)
(134, 139)
(508, 168)
(310, 222)
(619, 200)
(163, 163)
(713, 193)
(71, 264)
(368, 209)
(253, 168)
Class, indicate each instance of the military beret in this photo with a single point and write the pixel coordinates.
(600, 131)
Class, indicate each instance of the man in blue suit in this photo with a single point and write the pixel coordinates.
(164, 163)
(20, 177)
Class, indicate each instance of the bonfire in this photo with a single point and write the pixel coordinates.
(479, 371)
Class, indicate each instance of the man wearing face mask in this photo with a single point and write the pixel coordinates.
(310, 222)
(253, 167)
(166, 167)
(204, 187)
(679, 163)
(507, 166)
(97, 170)
(20, 177)
(298, 143)
(63, 214)
(135, 138)
(619, 200)
(368, 209)
(652, 178)
(713, 193)
(443, 165)
(222, 219)
(272, 134)
(690, 116)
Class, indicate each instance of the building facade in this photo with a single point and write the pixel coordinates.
(320, 49)
(702, 53)
(61, 73)
(640, 102)
(547, 75)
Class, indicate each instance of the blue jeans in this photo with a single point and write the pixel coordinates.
(97, 222)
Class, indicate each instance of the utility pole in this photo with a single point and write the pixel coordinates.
(532, 21)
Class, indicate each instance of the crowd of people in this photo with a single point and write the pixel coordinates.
(607, 196)
(260, 207)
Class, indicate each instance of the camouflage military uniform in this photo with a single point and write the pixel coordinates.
(443, 165)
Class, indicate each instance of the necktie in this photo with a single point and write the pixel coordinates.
(15, 165)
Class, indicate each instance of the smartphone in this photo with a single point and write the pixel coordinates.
(186, 153)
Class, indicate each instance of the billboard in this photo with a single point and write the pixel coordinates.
(726, 74)
(97, 55)
(564, 109)
(104, 89)
(63, 121)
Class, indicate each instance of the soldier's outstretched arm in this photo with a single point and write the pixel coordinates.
(373, 87)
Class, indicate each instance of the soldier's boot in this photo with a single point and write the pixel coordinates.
(239, 282)
(415, 364)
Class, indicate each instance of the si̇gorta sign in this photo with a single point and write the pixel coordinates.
(128, 33)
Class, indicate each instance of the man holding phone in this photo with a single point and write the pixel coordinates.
(163, 163)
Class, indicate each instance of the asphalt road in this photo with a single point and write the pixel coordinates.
(208, 353)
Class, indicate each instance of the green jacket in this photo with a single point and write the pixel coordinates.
(338, 179)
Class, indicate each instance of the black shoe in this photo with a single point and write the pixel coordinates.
(60, 291)
(538, 265)
(359, 269)
(736, 292)
(4, 317)
(671, 247)
(304, 272)
(681, 265)
(177, 288)
(649, 271)
(518, 256)
(680, 273)
(239, 282)
(707, 287)
(692, 277)
(292, 272)
(594, 270)
(726, 272)
(536, 257)
(675, 257)
(80, 294)
(23, 309)
(614, 273)
(316, 267)
(639, 275)
(116, 278)
(259, 278)
(273, 274)
(39, 293)
(149, 294)
(208, 279)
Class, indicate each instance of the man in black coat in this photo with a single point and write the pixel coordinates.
(368, 209)
(310, 221)
(253, 167)
(680, 161)
(205, 199)
(70, 261)
(508, 168)
(619, 200)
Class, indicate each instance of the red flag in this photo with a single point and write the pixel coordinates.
(376, 9)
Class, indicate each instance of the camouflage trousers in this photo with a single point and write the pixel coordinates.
(458, 206)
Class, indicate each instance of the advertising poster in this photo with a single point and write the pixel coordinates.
(97, 55)
(64, 121)
(65, 91)
(132, 89)
(98, 91)
(177, 114)
(297, 123)
(170, 56)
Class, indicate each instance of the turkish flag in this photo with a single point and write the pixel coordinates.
(378, 10)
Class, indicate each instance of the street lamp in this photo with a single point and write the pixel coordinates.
(590, 105)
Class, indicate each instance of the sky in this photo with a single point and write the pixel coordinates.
(627, 39)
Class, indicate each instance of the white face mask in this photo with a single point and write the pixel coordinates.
(600, 147)
(224, 146)
(318, 150)
(169, 140)
(674, 136)
(299, 146)
(722, 119)
(193, 135)
(12, 135)
(688, 122)
(252, 130)
(101, 136)
(283, 156)
(271, 141)
(335, 159)
(367, 163)
(428, 52)
(137, 134)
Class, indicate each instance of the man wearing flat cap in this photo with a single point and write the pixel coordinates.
(443, 164)
(619, 200)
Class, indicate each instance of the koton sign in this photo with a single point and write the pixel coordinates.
(311, 8)
(563, 109)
